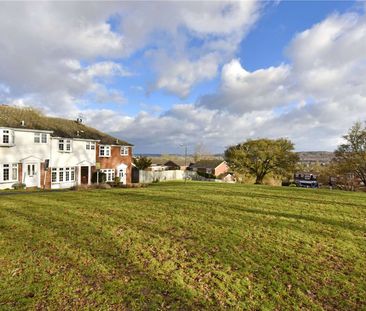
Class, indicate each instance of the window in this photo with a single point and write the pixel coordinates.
(61, 145)
(31, 170)
(8, 172)
(124, 150)
(67, 174)
(6, 137)
(54, 175)
(60, 174)
(104, 151)
(110, 174)
(90, 145)
(14, 171)
(40, 138)
(37, 138)
(63, 174)
(44, 138)
(6, 176)
(72, 176)
(64, 145)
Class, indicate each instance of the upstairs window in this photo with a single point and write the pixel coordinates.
(65, 145)
(90, 145)
(124, 151)
(7, 137)
(37, 138)
(44, 138)
(40, 138)
(104, 151)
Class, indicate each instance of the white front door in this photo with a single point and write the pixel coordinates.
(31, 174)
(122, 169)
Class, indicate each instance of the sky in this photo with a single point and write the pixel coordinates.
(162, 74)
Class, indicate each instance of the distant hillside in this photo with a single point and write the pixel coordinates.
(315, 156)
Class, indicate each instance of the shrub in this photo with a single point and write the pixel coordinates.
(18, 186)
(117, 181)
(102, 178)
(206, 175)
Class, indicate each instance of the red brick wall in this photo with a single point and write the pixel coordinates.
(45, 177)
(20, 172)
(222, 168)
(116, 159)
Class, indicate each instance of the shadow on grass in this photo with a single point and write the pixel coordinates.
(182, 199)
(62, 225)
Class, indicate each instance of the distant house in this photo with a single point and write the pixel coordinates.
(157, 167)
(213, 167)
(170, 165)
(46, 152)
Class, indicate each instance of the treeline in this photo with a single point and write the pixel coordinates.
(264, 157)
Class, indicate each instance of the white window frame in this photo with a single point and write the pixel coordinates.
(44, 138)
(104, 151)
(12, 171)
(110, 174)
(37, 138)
(90, 145)
(67, 174)
(40, 138)
(66, 145)
(124, 151)
(7, 137)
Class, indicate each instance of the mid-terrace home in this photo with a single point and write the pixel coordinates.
(51, 153)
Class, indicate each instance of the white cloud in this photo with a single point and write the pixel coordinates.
(42, 45)
(190, 40)
(178, 76)
(242, 91)
(59, 55)
(316, 97)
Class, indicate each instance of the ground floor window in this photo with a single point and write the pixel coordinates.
(110, 174)
(62, 174)
(9, 172)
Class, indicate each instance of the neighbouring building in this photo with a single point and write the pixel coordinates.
(213, 167)
(51, 153)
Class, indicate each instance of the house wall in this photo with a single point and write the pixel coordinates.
(25, 147)
(115, 160)
(78, 154)
(222, 168)
(24, 150)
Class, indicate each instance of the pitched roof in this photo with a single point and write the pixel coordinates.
(13, 117)
(207, 163)
(174, 163)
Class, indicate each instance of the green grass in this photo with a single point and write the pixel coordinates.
(184, 246)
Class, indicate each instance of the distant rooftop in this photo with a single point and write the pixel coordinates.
(207, 163)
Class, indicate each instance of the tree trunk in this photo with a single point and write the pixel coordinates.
(259, 180)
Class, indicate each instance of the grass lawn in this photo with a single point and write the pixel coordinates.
(184, 246)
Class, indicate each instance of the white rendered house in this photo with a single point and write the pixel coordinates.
(50, 153)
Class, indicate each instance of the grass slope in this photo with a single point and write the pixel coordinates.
(184, 246)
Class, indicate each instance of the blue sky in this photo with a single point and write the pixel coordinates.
(264, 46)
(160, 74)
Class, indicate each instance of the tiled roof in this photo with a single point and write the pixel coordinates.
(13, 117)
(207, 163)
